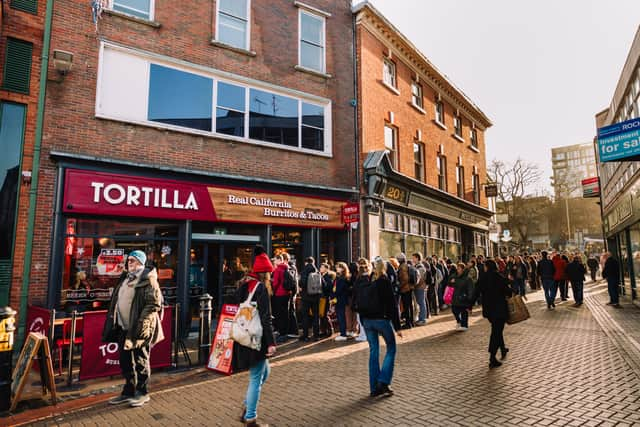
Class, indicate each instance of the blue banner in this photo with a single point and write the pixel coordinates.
(619, 141)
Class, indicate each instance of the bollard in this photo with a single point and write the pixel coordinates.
(7, 328)
(205, 328)
(74, 316)
(176, 333)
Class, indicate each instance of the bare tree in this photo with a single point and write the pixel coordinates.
(514, 180)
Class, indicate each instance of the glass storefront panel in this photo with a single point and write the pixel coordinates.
(435, 247)
(95, 255)
(453, 251)
(390, 244)
(624, 262)
(414, 244)
(634, 240)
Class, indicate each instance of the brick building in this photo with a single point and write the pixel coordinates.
(21, 32)
(192, 130)
(422, 147)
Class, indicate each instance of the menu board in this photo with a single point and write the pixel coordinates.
(222, 347)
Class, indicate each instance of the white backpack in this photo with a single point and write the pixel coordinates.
(247, 328)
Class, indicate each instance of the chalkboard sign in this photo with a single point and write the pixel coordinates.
(36, 344)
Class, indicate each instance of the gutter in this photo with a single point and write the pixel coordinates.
(35, 172)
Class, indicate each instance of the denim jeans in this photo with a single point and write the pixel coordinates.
(613, 291)
(519, 286)
(462, 315)
(550, 290)
(258, 374)
(342, 319)
(422, 304)
(374, 328)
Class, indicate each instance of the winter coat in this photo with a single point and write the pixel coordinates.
(245, 357)
(575, 272)
(304, 275)
(593, 264)
(341, 291)
(277, 283)
(143, 317)
(494, 290)
(611, 270)
(546, 269)
(462, 290)
(407, 277)
(559, 264)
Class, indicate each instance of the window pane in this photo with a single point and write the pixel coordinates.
(273, 118)
(237, 8)
(180, 98)
(11, 134)
(232, 31)
(388, 138)
(231, 96)
(229, 122)
(312, 138)
(312, 115)
(139, 8)
(311, 29)
(311, 56)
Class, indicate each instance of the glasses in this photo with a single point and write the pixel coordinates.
(131, 260)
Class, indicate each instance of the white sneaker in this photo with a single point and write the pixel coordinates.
(340, 338)
(463, 328)
(458, 326)
(359, 338)
(352, 334)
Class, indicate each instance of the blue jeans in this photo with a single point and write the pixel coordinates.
(613, 291)
(422, 304)
(550, 290)
(519, 286)
(342, 319)
(258, 374)
(374, 328)
(462, 315)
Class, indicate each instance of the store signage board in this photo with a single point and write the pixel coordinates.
(620, 141)
(89, 192)
(591, 187)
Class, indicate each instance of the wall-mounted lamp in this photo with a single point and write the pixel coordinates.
(62, 61)
(26, 177)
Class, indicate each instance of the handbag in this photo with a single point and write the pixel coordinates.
(517, 310)
(448, 295)
(246, 328)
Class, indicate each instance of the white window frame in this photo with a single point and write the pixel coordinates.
(215, 75)
(324, 39)
(457, 125)
(247, 42)
(393, 76)
(439, 120)
(460, 181)
(418, 86)
(152, 9)
(441, 165)
(393, 154)
(475, 183)
(473, 136)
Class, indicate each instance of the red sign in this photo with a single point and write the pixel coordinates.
(123, 195)
(38, 320)
(100, 359)
(222, 346)
(591, 187)
(351, 213)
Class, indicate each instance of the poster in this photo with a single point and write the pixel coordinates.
(38, 320)
(110, 262)
(100, 359)
(222, 346)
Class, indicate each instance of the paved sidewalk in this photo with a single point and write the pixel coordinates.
(563, 369)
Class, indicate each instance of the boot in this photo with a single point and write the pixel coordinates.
(493, 362)
(254, 423)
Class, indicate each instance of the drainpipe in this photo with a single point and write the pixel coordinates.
(356, 136)
(35, 169)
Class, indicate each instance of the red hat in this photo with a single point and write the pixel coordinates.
(262, 264)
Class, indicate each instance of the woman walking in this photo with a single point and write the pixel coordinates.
(258, 282)
(462, 296)
(340, 295)
(494, 289)
(379, 314)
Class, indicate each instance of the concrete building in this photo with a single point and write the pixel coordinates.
(571, 164)
(620, 180)
(422, 145)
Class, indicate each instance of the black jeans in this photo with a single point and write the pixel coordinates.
(563, 287)
(407, 308)
(292, 321)
(432, 299)
(280, 307)
(497, 339)
(314, 306)
(593, 274)
(135, 368)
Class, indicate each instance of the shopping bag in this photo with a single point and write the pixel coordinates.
(448, 295)
(517, 310)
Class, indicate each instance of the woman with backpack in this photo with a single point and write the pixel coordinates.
(258, 284)
(378, 310)
(462, 296)
(340, 297)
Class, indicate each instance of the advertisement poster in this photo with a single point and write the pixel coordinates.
(101, 359)
(38, 320)
(110, 262)
(222, 346)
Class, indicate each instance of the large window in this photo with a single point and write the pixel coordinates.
(179, 98)
(312, 126)
(442, 172)
(418, 160)
(273, 118)
(231, 109)
(440, 112)
(233, 23)
(389, 72)
(391, 144)
(312, 41)
(460, 181)
(416, 94)
(140, 8)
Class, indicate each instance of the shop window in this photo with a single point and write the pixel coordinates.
(391, 144)
(418, 160)
(233, 23)
(390, 221)
(312, 126)
(139, 8)
(414, 244)
(273, 118)
(179, 98)
(312, 41)
(390, 244)
(231, 109)
(414, 226)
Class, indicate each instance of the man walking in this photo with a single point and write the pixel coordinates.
(611, 272)
(133, 322)
(546, 270)
(575, 272)
(593, 265)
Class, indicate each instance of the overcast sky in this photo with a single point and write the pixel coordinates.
(540, 69)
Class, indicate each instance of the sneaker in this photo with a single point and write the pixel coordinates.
(421, 322)
(292, 336)
(457, 326)
(140, 400)
(361, 339)
(382, 390)
(120, 400)
(464, 328)
(340, 338)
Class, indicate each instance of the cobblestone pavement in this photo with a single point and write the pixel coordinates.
(563, 369)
